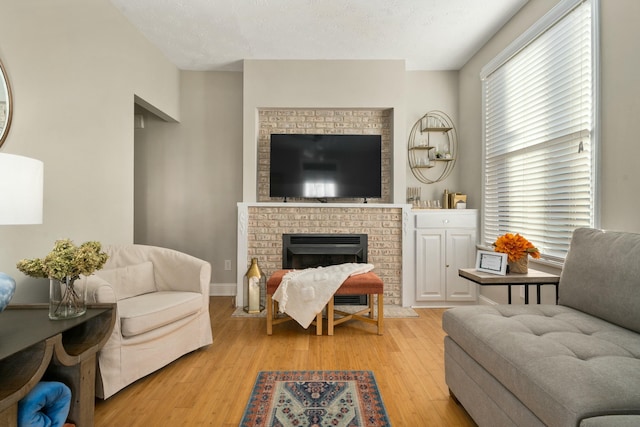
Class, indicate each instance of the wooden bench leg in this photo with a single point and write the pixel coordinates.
(269, 315)
(380, 313)
(319, 323)
(370, 305)
(330, 317)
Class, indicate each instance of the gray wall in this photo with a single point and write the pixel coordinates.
(620, 104)
(188, 175)
(75, 67)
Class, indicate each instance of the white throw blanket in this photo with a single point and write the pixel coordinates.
(303, 293)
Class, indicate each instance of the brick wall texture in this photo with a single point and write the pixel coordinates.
(324, 121)
(265, 226)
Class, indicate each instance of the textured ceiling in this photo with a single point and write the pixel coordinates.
(219, 34)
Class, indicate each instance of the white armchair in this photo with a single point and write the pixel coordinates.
(162, 298)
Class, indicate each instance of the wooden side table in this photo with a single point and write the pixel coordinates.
(533, 277)
(33, 347)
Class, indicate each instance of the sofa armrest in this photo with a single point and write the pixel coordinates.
(177, 271)
(173, 270)
(98, 290)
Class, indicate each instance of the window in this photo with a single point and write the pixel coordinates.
(539, 132)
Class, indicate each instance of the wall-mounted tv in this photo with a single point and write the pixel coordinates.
(325, 166)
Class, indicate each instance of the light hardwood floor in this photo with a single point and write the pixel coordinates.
(211, 386)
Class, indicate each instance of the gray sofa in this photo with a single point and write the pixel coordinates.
(572, 364)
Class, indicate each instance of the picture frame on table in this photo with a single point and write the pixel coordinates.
(491, 262)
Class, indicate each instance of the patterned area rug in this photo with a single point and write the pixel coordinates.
(315, 398)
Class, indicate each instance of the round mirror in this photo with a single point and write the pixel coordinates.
(6, 107)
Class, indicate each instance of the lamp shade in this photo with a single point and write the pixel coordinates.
(21, 190)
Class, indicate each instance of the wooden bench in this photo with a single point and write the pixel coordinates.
(361, 284)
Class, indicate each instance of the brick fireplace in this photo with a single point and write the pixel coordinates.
(262, 225)
(305, 250)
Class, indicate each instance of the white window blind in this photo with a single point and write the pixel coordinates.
(539, 134)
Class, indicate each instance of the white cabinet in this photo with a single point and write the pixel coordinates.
(445, 242)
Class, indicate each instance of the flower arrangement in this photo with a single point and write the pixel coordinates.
(515, 246)
(66, 260)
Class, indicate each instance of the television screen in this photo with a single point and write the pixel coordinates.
(325, 166)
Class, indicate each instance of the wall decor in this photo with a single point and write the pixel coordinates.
(6, 104)
(433, 146)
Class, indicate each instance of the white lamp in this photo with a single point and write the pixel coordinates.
(21, 188)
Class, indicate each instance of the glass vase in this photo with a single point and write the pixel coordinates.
(67, 298)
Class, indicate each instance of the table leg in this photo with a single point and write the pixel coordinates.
(269, 315)
(319, 323)
(509, 294)
(538, 293)
(526, 294)
(380, 313)
(330, 314)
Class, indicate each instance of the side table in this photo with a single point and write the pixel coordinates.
(533, 277)
(32, 347)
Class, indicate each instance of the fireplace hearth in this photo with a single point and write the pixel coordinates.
(320, 250)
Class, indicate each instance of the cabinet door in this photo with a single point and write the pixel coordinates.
(430, 265)
(460, 253)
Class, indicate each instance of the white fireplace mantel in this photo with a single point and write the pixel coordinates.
(243, 233)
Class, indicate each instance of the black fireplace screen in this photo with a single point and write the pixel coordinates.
(320, 250)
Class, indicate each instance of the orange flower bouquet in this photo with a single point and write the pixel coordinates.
(517, 248)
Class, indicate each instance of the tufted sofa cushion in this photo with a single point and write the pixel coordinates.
(564, 365)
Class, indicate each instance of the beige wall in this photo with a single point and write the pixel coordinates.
(75, 66)
(189, 174)
(427, 91)
(323, 84)
(620, 103)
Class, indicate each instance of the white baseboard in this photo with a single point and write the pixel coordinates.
(222, 289)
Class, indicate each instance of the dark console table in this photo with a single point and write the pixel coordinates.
(34, 348)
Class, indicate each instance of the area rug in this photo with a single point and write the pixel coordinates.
(315, 398)
(390, 311)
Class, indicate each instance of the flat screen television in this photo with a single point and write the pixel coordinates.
(325, 166)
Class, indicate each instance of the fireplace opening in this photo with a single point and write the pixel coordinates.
(320, 250)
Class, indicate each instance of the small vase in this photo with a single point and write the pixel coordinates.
(520, 265)
(7, 289)
(67, 298)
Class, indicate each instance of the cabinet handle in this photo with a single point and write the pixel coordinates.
(445, 221)
(447, 265)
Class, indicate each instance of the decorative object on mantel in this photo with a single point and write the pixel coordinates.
(518, 250)
(63, 266)
(21, 180)
(255, 285)
(6, 104)
(433, 146)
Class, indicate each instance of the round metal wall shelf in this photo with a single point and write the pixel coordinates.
(432, 159)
